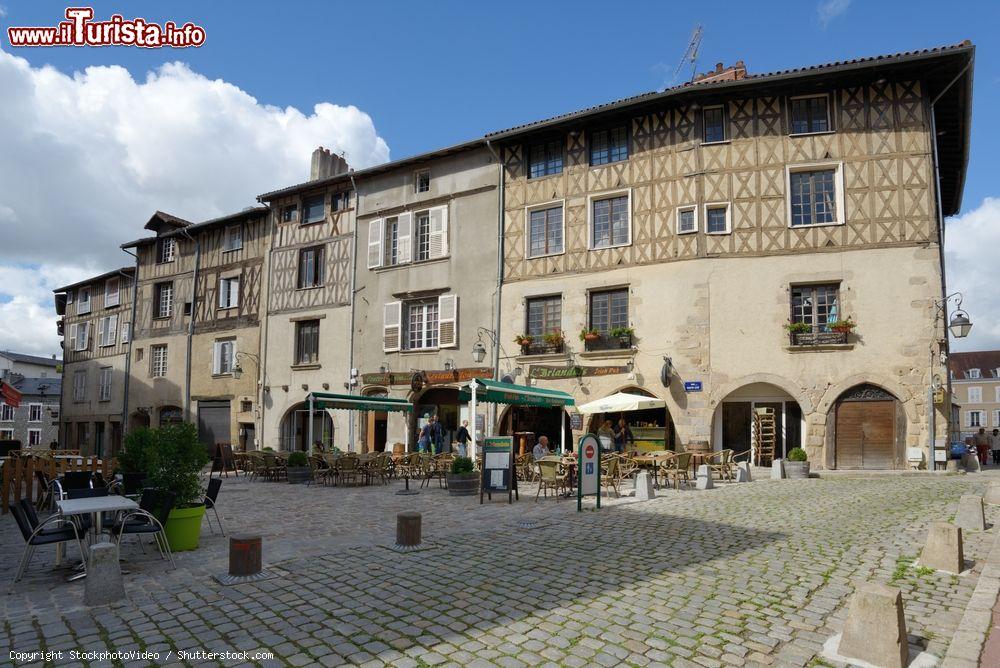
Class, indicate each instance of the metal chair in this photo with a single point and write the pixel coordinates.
(73, 480)
(154, 509)
(211, 495)
(42, 534)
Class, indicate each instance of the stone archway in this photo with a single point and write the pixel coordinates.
(294, 428)
(866, 428)
(763, 415)
(791, 388)
(652, 429)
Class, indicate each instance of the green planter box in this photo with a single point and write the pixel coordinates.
(183, 528)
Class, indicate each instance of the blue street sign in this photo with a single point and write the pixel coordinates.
(692, 386)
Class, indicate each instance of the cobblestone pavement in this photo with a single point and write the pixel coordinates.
(755, 574)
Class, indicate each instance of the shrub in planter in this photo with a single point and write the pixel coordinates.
(176, 461)
(139, 446)
(796, 464)
(462, 479)
(298, 468)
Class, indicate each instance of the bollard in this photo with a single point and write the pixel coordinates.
(875, 630)
(244, 555)
(777, 469)
(644, 486)
(970, 515)
(703, 478)
(743, 472)
(104, 576)
(408, 527)
(943, 549)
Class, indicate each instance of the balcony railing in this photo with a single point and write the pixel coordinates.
(817, 338)
(608, 342)
(542, 348)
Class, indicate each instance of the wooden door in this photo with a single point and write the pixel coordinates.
(866, 435)
(736, 426)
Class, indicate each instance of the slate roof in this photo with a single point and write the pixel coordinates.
(987, 361)
(30, 359)
(50, 387)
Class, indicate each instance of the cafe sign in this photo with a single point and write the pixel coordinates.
(544, 372)
(443, 377)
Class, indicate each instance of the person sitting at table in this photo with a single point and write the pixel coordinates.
(541, 448)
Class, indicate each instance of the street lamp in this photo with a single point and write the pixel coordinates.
(960, 324)
(478, 352)
(237, 370)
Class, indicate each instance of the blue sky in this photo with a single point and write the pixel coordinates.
(390, 79)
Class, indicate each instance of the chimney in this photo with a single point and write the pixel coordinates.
(734, 72)
(325, 164)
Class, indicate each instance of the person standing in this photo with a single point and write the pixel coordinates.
(982, 443)
(436, 435)
(622, 435)
(424, 440)
(463, 438)
(995, 446)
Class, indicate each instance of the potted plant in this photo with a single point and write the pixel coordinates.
(297, 467)
(624, 335)
(843, 326)
(554, 339)
(589, 335)
(796, 464)
(175, 464)
(525, 342)
(798, 327)
(462, 479)
(134, 460)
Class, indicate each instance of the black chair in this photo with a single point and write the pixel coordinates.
(154, 508)
(83, 522)
(73, 480)
(132, 483)
(28, 508)
(211, 496)
(41, 535)
(46, 489)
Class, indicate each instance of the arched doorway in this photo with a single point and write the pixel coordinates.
(374, 424)
(295, 428)
(653, 428)
(528, 423)
(869, 429)
(439, 401)
(733, 425)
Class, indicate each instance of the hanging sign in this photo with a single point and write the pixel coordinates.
(588, 469)
(544, 372)
(498, 468)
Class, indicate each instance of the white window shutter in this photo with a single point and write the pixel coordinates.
(112, 332)
(223, 293)
(375, 230)
(968, 419)
(447, 321)
(404, 238)
(439, 232)
(234, 297)
(83, 336)
(72, 336)
(216, 357)
(102, 331)
(391, 327)
(126, 331)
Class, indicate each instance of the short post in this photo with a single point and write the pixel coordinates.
(743, 472)
(777, 469)
(875, 630)
(970, 515)
(104, 576)
(408, 530)
(943, 549)
(644, 487)
(244, 555)
(703, 478)
(952, 466)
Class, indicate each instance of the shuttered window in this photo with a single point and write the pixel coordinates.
(307, 342)
(229, 293)
(83, 303)
(224, 356)
(447, 321)
(423, 236)
(104, 384)
(111, 292)
(107, 330)
(421, 325)
(79, 386)
(391, 327)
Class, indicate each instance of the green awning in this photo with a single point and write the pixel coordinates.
(495, 392)
(354, 402)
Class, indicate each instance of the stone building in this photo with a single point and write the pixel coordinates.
(35, 422)
(685, 230)
(96, 317)
(975, 381)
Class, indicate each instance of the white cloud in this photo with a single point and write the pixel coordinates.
(971, 243)
(828, 10)
(3, 11)
(87, 158)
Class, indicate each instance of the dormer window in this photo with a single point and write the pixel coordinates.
(973, 374)
(166, 250)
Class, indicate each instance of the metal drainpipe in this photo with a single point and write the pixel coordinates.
(131, 338)
(501, 192)
(263, 316)
(931, 416)
(190, 333)
(350, 343)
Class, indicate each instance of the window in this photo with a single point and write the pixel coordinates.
(311, 267)
(307, 342)
(83, 303)
(996, 418)
(104, 384)
(313, 209)
(975, 395)
(126, 332)
(34, 412)
(187, 308)
(69, 296)
(289, 213)
(391, 242)
(608, 310)
(166, 250)
(423, 242)
(810, 114)
(341, 201)
(6, 434)
(107, 330)
(79, 386)
(544, 315)
(112, 291)
(996, 398)
(545, 231)
(687, 219)
(34, 437)
(610, 222)
(545, 159)
(608, 146)
(158, 361)
(229, 292)
(82, 336)
(973, 374)
(224, 356)
(975, 419)
(717, 219)
(713, 124)
(816, 305)
(422, 181)
(163, 305)
(232, 238)
(815, 196)
(6, 413)
(421, 325)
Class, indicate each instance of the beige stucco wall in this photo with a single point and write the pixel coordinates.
(206, 386)
(990, 404)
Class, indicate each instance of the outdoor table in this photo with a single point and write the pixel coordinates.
(95, 506)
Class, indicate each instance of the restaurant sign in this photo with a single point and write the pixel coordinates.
(545, 372)
(442, 377)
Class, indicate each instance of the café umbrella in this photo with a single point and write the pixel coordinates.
(621, 402)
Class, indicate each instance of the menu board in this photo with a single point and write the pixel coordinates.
(498, 468)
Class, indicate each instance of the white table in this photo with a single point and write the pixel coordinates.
(95, 506)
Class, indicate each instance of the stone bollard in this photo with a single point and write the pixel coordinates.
(970, 515)
(644, 486)
(777, 469)
(703, 478)
(952, 466)
(104, 576)
(875, 630)
(408, 526)
(245, 554)
(993, 494)
(943, 550)
(743, 472)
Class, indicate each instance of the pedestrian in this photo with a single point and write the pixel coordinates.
(463, 438)
(622, 434)
(982, 443)
(424, 440)
(995, 446)
(436, 435)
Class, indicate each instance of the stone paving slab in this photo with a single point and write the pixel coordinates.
(751, 574)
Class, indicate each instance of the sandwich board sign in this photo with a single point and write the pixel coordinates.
(588, 469)
(498, 468)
